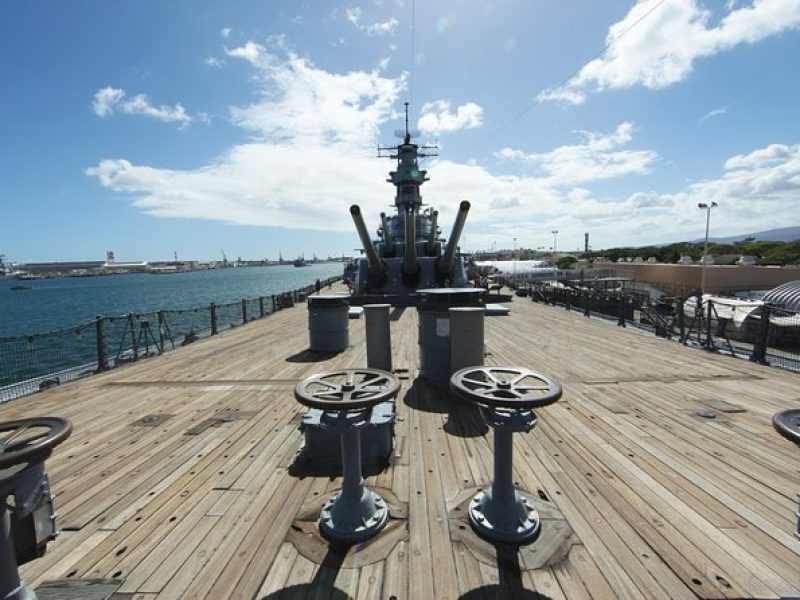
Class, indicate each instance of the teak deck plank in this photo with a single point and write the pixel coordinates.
(662, 502)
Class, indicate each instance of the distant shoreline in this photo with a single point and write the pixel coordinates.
(146, 268)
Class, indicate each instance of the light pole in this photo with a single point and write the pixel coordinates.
(514, 257)
(707, 208)
(555, 250)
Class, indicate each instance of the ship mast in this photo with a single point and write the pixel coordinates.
(408, 177)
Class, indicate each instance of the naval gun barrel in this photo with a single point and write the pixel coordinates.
(410, 261)
(430, 248)
(388, 244)
(445, 262)
(375, 265)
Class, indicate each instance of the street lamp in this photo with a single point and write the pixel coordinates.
(514, 257)
(707, 208)
(555, 250)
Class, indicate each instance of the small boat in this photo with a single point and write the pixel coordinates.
(16, 288)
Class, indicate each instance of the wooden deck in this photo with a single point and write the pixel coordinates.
(661, 503)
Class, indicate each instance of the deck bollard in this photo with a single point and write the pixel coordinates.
(347, 396)
(379, 337)
(434, 329)
(27, 526)
(466, 337)
(507, 397)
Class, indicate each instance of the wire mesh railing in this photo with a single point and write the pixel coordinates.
(761, 333)
(31, 363)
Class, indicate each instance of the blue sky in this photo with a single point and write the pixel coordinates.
(149, 128)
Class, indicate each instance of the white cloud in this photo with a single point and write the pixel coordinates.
(225, 32)
(251, 52)
(108, 100)
(722, 110)
(309, 156)
(772, 154)
(105, 99)
(354, 14)
(436, 117)
(382, 27)
(213, 61)
(656, 45)
(597, 158)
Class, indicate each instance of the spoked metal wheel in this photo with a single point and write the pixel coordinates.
(505, 387)
(347, 389)
(23, 439)
(787, 423)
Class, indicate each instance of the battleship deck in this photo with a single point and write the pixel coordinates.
(661, 503)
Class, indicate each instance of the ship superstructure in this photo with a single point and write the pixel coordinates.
(409, 253)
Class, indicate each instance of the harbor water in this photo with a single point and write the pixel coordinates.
(56, 330)
(51, 304)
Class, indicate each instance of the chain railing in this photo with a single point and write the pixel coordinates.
(765, 334)
(31, 363)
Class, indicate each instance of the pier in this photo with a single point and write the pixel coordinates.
(658, 474)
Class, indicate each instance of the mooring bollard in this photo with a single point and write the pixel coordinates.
(22, 476)
(328, 323)
(466, 337)
(507, 397)
(379, 338)
(347, 397)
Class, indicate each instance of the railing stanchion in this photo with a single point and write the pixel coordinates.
(102, 356)
(134, 344)
(213, 310)
(261, 306)
(244, 311)
(161, 321)
(759, 354)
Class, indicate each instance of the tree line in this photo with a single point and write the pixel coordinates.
(772, 253)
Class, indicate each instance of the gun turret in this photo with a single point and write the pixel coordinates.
(410, 266)
(377, 272)
(388, 243)
(430, 247)
(445, 263)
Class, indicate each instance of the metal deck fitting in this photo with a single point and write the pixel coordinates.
(347, 397)
(27, 526)
(507, 397)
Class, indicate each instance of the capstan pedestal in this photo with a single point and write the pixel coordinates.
(29, 523)
(347, 397)
(506, 397)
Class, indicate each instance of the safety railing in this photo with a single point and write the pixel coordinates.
(765, 334)
(31, 363)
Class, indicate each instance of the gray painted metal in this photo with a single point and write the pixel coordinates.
(434, 329)
(466, 337)
(378, 334)
(26, 527)
(355, 513)
(322, 446)
(445, 262)
(375, 266)
(328, 323)
(505, 395)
